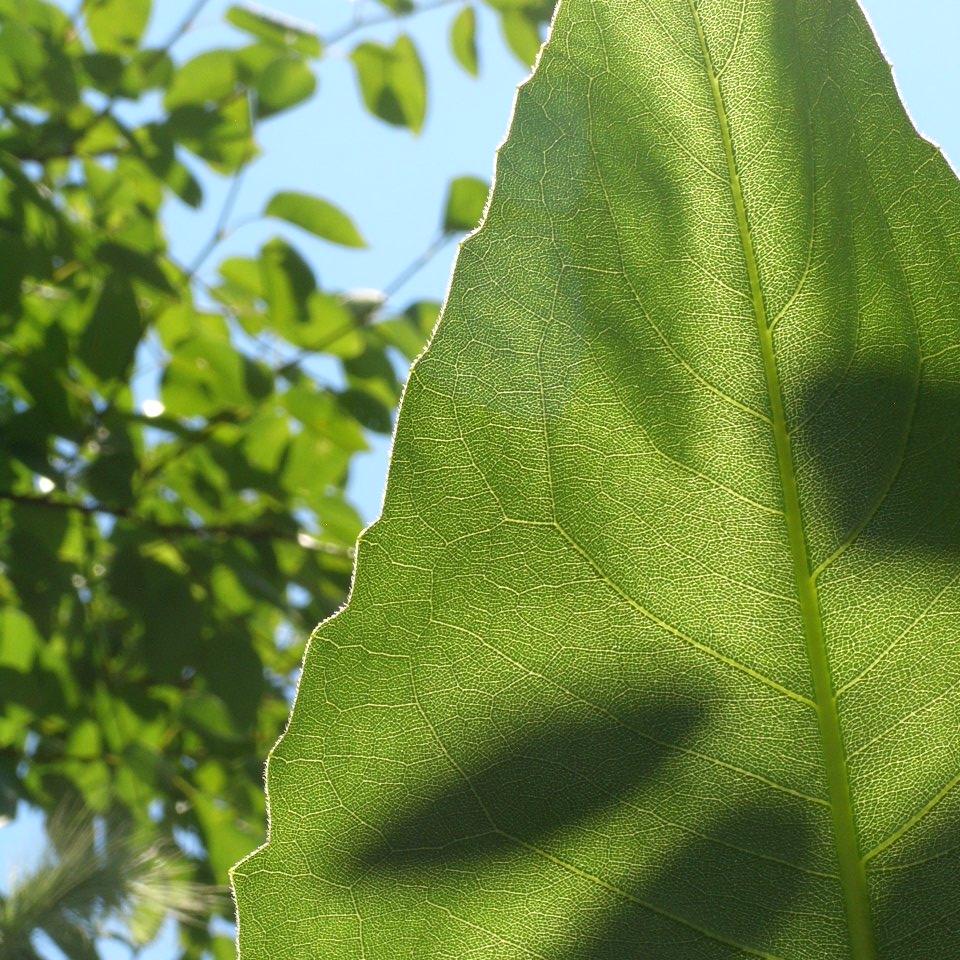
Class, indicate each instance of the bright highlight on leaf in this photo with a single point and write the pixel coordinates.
(319, 217)
(652, 654)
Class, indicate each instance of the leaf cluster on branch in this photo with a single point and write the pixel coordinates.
(163, 559)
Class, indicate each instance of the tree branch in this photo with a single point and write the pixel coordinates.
(337, 35)
(204, 531)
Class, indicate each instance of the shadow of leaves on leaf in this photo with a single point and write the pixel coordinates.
(917, 899)
(562, 779)
(885, 446)
(739, 898)
(558, 776)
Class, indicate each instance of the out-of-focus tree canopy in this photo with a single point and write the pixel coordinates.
(161, 564)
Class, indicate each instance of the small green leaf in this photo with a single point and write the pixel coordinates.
(208, 78)
(367, 409)
(409, 331)
(204, 376)
(288, 283)
(242, 292)
(226, 836)
(134, 265)
(19, 640)
(276, 29)
(179, 323)
(147, 70)
(116, 26)
(84, 740)
(265, 439)
(319, 413)
(465, 202)
(208, 713)
(118, 76)
(463, 40)
(317, 216)
(109, 341)
(243, 273)
(157, 151)
(392, 82)
(522, 33)
(334, 328)
(282, 85)
(223, 136)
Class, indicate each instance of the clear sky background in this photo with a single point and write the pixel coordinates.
(394, 183)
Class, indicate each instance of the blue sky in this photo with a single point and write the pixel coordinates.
(394, 183)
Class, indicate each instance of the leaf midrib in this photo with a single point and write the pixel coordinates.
(850, 865)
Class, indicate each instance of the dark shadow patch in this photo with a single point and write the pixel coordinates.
(730, 882)
(917, 902)
(717, 883)
(879, 459)
(556, 777)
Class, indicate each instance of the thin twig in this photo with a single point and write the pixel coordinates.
(416, 265)
(220, 231)
(220, 228)
(337, 35)
(183, 26)
(389, 290)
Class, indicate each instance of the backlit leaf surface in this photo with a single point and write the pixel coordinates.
(318, 216)
(392, 82)
(463, 40)
(653, 652)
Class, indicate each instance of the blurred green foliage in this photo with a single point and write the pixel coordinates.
(161, 564)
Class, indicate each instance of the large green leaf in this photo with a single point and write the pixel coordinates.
(653, 651)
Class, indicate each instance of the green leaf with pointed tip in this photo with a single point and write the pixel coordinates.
(317, 216)
(465, 202)
(392, 82)
(409, 332)
(652, 654)
(276, 29)
(463, 40)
